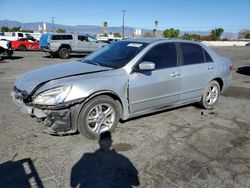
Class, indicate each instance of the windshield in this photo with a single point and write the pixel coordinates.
(115, 55)
(92, 39)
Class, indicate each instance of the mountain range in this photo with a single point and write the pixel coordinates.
(93, 29)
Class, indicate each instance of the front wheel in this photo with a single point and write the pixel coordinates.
(99, 115)
(210, 95)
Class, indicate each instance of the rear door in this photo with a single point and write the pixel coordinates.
(150, 90)
(198, 69)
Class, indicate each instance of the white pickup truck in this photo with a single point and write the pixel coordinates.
(5, 49)
(16, 35)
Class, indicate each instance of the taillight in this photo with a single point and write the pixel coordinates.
(231, 68)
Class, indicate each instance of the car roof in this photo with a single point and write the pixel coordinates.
(144, 40)
(152, 40)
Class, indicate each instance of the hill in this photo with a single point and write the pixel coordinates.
(93, 29)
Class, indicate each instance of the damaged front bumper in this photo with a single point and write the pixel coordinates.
(58, 121)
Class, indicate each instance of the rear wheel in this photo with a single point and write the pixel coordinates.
(101, 114)
(22, 48)
(64, 53)
(210, 95)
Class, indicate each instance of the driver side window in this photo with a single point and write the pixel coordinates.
(82, 38)
(163, 55)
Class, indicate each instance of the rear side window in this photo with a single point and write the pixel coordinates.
(163, 55)
(208, 57)
(192, 54)
(20, 34)
(61, 37)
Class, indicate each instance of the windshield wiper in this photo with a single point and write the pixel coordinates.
(91, 62)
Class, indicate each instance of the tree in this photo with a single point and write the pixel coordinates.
(104, 35)
(15, 29)
(243, 33)
(247, 36)
(154, 32)
(149, 34)
(27, 31)
(171, 33)
(216, 33)
(105, 27)
(155, 29)
(156, 24)
(59, 30)
(194, 37)
(5, 29)
(118, 35)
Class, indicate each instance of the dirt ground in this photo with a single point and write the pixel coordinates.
(183, 147)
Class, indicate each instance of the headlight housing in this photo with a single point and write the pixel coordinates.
(52, 96)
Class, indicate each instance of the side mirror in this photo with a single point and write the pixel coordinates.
(147, 66)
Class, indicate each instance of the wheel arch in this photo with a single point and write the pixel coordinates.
(65, 46)
(22, 45)
(76, 111)
(109, 93)
(220, 81)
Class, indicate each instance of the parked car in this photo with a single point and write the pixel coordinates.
(66, 44)
(122, 80)
(248, 44)
(25, 44)
(16, 36)
(5, 49)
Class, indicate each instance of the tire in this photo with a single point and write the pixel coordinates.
(100, 114)
(64, 53)
(210, 95)
(22, 48)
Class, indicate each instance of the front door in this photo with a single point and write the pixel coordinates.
(82, 44)
(150, 90)
(93, 43)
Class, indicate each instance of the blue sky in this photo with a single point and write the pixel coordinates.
(188, 15)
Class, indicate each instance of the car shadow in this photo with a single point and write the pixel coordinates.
(11, 58)
(19, 174)
(71, 56)
(244, 70)
(104, 168)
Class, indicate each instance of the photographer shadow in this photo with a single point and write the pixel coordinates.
(104, 168)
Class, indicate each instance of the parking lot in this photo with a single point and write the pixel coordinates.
(183, 147)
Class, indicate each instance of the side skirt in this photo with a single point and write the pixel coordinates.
(163, 108)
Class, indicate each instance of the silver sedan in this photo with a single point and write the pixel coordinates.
(122, 80)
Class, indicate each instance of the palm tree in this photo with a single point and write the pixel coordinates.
(105, 27)
(156, 24)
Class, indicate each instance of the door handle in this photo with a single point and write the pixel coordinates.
(175, 74)
(209, 68)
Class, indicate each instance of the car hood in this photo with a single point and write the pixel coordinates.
(30, 80)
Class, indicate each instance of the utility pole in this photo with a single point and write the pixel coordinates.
(53, 23)
(123, 14)
(21, 22)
